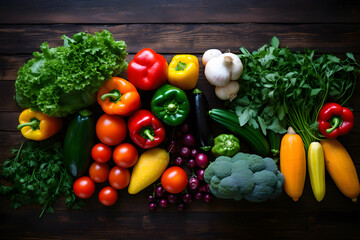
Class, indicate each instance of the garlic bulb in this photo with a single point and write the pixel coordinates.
(229, 91)
(220, 70)
(210, 54)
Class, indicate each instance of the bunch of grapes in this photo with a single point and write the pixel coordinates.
(184, 153)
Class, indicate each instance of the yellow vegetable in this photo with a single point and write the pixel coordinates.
(341, 168)
(293, 164)
(149, 167)
(316, 166)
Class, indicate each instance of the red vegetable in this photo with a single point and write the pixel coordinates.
(335, 120)
(148, 70)
(145, 129)
(84, 187)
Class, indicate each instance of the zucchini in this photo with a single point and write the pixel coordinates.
(274, 140)
(79, 140)
(201, 120)
(253, 137)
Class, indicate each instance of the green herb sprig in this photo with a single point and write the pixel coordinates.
(39, 176)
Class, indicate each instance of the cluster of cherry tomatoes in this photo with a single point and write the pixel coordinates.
(111, 130)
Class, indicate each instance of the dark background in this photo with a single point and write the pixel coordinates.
(172, 27)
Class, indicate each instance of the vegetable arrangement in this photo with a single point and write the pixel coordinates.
(171, 145)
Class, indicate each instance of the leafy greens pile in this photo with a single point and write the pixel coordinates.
(280, 88)
(59, 81)
(39, 176)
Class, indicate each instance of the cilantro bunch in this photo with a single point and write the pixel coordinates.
(281, 88)
(38, 176)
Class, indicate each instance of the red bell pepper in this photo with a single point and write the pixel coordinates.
(335, 120)
(148, 70)
(145, 129)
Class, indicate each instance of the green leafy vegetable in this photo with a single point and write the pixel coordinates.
(281, 88)
(39, 176)
(59, 81)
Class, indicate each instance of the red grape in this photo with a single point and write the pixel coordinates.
(194, 183)
(202, 160)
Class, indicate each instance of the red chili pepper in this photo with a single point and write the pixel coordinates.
(335, 120)
(145, 129)
(148, 70)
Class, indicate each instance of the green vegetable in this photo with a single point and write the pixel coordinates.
(246, 176)
(170, 104)
(252, 136)
(39, 176)
(225, 145)
(78, 142)
(62, 80)
(281, 88)
(274, 141)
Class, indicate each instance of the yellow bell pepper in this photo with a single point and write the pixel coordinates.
(37, 126)
(184, 71)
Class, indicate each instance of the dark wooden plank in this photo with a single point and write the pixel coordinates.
(106, 224)
(191, 38)
(186, 11)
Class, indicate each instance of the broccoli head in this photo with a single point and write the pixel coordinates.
(246, 176)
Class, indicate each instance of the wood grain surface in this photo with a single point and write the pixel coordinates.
(172, 27)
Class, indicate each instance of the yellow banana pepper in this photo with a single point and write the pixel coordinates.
(37, 126)
(184, 71)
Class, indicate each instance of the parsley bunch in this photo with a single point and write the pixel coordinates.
(281, 88)
(39, 176)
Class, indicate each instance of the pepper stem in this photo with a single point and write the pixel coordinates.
(180, 66)
(229, 143)
(34, 124)
(113, 96)
(147, 133)
(171, 107)
(336, 123)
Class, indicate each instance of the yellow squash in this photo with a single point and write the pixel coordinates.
(149, 167)
(341, 168)
(293, 164)
(316, 166)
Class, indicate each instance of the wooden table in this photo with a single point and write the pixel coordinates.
(172, 27)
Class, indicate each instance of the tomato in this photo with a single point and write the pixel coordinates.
(119, 177)
(174, 180)
(101, 153)
(99, 172)
(111, 129)
(125, 155)
(84, 187)
(108, 196)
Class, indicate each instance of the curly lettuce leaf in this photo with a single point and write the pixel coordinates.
(62, 80)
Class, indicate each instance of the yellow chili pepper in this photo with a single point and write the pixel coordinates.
(184, 71)
(37, 126)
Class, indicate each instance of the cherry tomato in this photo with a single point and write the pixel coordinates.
(119, 177)
(84, 187)
(99, 172)
(111, 129)
(101, 153)
(125, 155)
(108, 196)
(174, 180)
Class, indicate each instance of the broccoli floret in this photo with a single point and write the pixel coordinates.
(256, 163)
(246, 176)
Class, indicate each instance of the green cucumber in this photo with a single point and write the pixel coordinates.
(79, 140)
(253, 137)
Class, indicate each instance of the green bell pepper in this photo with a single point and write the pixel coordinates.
(170, 105)
(225, 145)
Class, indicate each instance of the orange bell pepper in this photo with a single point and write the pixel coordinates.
(37, 126)
(118, 97)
